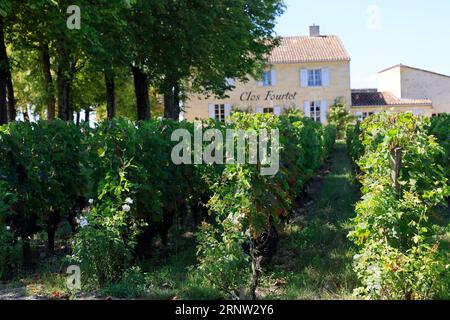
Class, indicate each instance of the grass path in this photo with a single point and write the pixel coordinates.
(315, 256)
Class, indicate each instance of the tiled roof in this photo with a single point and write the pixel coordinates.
(309, 49)
(364, 98)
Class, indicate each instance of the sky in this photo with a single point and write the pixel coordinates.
(377, 34)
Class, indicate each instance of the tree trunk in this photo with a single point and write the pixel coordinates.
(396, 164)
(168, 104)
(256, 270)
(141, 91)
(4, 65)
(110, 94)
(65, 111)
(26, 115)
(11, 100)
(78, 118)
(176, 109)
(52, 226)
(48, 82)
(87, 112)
(26, 253)
(172, 102)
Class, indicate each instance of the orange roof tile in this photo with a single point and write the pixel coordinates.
(309, 49)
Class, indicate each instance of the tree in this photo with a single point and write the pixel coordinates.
(204, 43)
(6, 86)
(173, 46)
(33, 29)
(339, 116)
(198, 43)
(112, 53)
(4, 65)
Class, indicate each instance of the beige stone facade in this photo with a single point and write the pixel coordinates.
(285, 91)
(412, 83)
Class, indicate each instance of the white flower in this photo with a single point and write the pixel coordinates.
(129, 200)
(234, 218)
(83, 222)
(91, 201)
(126, 208)
(8, 228)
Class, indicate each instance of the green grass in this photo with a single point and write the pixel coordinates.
(169, 275)
(315, 256)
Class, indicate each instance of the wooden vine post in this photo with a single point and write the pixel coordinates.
(396, 164)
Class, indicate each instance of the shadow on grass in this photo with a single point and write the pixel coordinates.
(170, 275)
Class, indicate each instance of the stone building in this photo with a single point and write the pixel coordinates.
(303, 72)
(309, 73)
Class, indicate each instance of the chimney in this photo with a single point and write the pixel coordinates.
(314, 31)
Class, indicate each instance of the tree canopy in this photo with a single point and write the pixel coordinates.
(58, 58)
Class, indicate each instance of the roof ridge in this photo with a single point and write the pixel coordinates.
(306, 36)
(414, 68)
(384, 98)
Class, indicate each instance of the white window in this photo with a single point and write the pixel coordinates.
(219, 112)
(314, 109)
(366, 114)
(268, 110)
(315, 78)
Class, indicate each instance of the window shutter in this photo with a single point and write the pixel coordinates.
(323, 111)
(227, 112)
(307, 109)
(259, 110)
(304, 78)
(212, 111)
(274, 77)
(325, 77)
(277, 111)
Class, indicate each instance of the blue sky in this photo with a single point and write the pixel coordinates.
(378, 33)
